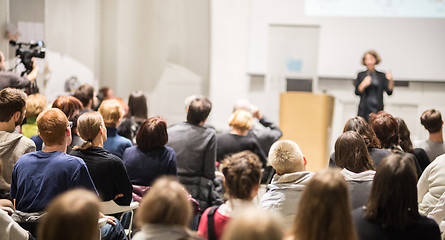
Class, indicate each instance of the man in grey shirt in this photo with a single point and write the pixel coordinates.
(431, 119)
(195, 148)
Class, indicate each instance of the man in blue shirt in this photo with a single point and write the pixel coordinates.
(40, 176)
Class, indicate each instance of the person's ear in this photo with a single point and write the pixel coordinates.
(17, 116)
(305, 161)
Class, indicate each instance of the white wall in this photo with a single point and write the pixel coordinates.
(228, 72)
(410, 47)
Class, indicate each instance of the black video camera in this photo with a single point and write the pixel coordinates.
(26, 51)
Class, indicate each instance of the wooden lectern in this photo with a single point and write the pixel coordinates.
(306, 118)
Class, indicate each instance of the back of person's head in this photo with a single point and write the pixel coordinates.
(359, 125)
(85, 93)
(324, 209)
(386, 128)
(393, 198)
(431, 119)
(137, 106)
(351, 153)
(190, 99)
(241, 120)
(73, 215)
(404, 136)
(35, 104)
(242, 104)
(112, 112)
(166, 203)
(52, 125)
(198, 110)
(285, 156)
(11, 101)
(242, 174)
(69, 105)
(254, 224)
(152, 133)
(89, 125)
(106, 93)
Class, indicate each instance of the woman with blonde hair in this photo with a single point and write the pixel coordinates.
(73, 215)
(35, 104)
(239, 138)
(107, 170)
(165, 212)
(324, 210)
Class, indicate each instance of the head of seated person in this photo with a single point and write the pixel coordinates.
(137, 106)
(35, 104)
(91, 129)
(72, 108)
(12, 108)
(316, 217)
(242, 175)
(87, 95)
(241, 122)
(431, 119)
(198, 110)
(359, 125)
(112, 112)
(286, 157)
(166, 203)
(71, 216)
(54, 128)
(386, 129)
(393, 192)
(152, 134)
(351, 153)
(254, 224)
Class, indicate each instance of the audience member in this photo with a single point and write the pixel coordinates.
(386, 129)
(9, 229)
(438, 213)
(73, 215)
(40, 176)
(407, 145)
(165, 212)
(359, 125)
(137, 113)
(431, 185)
(12, 144)
(288, 183)
(237, 139)
(352, 156)
(150, 159)
(72, 108)
(431, 119)
(195, 148)
(87, 96)
(265, 131)
(324, 210)
(106, 170)
(35, 104)
(242, 174)
(391, 212)
(112, 112)
(254, 224)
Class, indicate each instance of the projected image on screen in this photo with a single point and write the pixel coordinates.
(376, 8)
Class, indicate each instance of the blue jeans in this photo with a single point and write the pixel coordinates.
(113, 232)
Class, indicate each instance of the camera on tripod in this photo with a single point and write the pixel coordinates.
(26, 51)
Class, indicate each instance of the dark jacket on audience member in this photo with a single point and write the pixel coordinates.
(227, 144)
(195, 148)
(266, 133)
(144, 167)
(422, 228)
(108, 174)
(115, 143)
